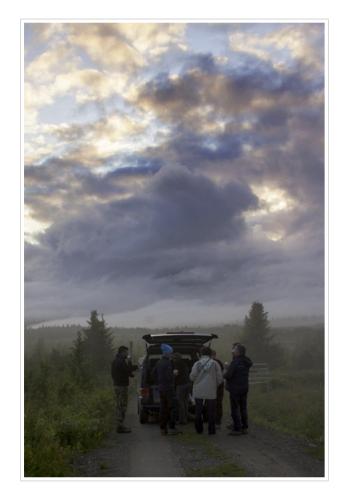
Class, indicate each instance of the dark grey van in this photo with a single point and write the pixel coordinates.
(187, 344)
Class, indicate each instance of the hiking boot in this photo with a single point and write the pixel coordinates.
(235, 433)
(123, 430)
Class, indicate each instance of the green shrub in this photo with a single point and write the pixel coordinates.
(62, 416)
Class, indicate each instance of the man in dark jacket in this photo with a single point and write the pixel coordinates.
(122, 370)
(237, 383)
(163, 373)
(182, 386)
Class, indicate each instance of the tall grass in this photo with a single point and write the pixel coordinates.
(64, 414)
(294, 404)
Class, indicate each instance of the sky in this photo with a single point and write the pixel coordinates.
(174, 173)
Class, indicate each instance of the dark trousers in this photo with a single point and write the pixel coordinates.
(239, 410)
(219, 404)
(167, 410)
(211, 411)
(183, 392)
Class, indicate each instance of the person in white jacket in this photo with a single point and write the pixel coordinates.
(206, 375)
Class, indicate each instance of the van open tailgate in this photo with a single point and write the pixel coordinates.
(179, 338)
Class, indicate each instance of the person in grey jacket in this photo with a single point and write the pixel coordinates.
(206, 376)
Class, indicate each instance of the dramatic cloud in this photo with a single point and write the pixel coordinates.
(173, 164)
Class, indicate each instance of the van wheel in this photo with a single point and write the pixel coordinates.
(143, 416)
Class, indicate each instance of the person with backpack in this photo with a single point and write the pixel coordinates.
(206, 376)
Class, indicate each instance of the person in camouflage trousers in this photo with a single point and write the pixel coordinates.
(121, 399)
(122, 370)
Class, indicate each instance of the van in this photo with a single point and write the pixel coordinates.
(187, 344)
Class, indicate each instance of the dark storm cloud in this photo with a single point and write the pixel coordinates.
(192, 148)
(234, 271)
(275, 117)
(232, 87)
(292, 154)
(177, 210)
(287, 130)
(61, 183)
(116, 181)
(192, 209)
(171, 96)
(254, 75)
(289, 142)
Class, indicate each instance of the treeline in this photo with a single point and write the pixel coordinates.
(68, 401)
(296, 346)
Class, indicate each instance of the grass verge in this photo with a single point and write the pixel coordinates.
(294, 405)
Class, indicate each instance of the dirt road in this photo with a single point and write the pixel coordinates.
(142, 453)
(145, 453)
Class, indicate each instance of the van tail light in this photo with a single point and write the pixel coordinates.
(144, 392)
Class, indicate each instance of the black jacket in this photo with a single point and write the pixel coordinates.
(163, 374)
(183, 372)
(237, 375)
(122, 370)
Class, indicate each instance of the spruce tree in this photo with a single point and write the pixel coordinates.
(79, 360)
(257, 337)
(93, 349)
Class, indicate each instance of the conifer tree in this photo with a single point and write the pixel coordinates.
(93, 349)
(258, 338)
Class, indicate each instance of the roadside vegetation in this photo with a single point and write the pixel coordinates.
(294, 404)
(68, 401)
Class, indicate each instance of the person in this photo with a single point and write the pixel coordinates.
(237, 384)
(121, 371)
(219, 392)
(163, 373)
(206, 375)
(182, 387)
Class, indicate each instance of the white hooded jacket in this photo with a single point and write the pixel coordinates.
(206, 375)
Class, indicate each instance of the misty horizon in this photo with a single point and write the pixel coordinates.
(150, 322)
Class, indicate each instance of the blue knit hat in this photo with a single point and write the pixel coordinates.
(166, 349)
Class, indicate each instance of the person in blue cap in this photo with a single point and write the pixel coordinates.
(163, 372)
